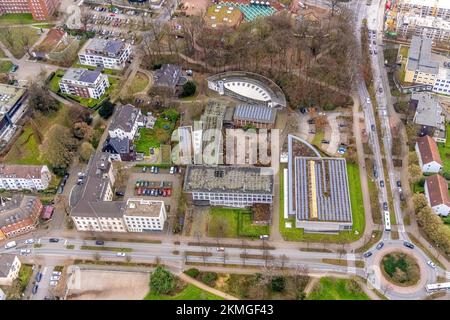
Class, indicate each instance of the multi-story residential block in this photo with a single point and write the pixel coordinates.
(144, 215)
(9, 269)
(426, 68)
(119, 149)
(110, 54)
(125, 123)
(168, 76)
(84, 83)
(19, 215)
(230, 186)
(424, 8)
(12, 108)
(2, 295)
(429, 115)
(436, 192)
(428, 155)
(437, 29)
(40, 9)
(19, 177)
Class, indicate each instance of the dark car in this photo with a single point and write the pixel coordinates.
(382, 183)
(120, 193)
(399, 184)
(402, 196)
(408, 245)
(373, 127)
(385, 206)
(367, 254)
(99, 242)
(35, 289)
(53, 240)
(38, 276)
(380, 245)
(311, 121)
(325, 141)
(380, 89)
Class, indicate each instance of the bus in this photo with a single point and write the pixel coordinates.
(437, 286)
(387, 221)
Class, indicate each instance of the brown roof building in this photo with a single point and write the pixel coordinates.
(428, 154)
(19, 215)
(40, 9)
(436, 191)
(18, 177)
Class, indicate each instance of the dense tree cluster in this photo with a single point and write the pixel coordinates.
(162, 281)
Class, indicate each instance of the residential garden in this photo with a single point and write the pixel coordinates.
(15, 291)
(160, 134)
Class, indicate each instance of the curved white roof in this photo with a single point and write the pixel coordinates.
(248, 90)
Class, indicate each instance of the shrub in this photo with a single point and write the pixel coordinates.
(106, 109)
(192, 272)
(188, 89)
(277, 284)
(209, 278)
(161, 281)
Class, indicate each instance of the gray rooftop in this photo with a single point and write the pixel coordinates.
(321, 189)
(82, 75)
(15, 210)
(229, 179)
(124, 118)
(95, 186)
(6, 261)
(255, 113)
(167, 76)
(429, 111)
(105, 47)
(419, 56)
(119, 145)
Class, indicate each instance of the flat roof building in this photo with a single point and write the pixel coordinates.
(262, 117)
(144, 215)
(40, 9)
(229, 185)
(429, 115)
(110, 54)
(12, 108)
(84, 83)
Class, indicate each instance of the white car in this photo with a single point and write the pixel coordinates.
(55, 278)
(121, 254)
(56, 273)
(431, 264)
(25, 251)
(29, 241)
(53, 283)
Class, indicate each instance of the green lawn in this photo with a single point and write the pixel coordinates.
(317, 141)
(139, 83)
(2, 54)
(44, 25)
(160, 134)
(15, 42)
(190, 292)
(329, 288)
(444, 151)
(238, 221)
(25, 273)
(16, 18)
(356, 200)
(26, 149)
(5, 66)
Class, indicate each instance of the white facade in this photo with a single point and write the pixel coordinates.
(108, 62)
(94, 90)
(121, 134)
(99, 224)
(17, 182)
(140, 222)
(239, 200)
(440, 209)
(12, 274)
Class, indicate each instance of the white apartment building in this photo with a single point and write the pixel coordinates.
(9, 269)
(110, 54)
(125, 123)
(84, 83)
(20, 177)
(144, 215)
(423, 8)
(437, 29)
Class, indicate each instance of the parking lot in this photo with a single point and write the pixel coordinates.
(162, 180)
(116, 23)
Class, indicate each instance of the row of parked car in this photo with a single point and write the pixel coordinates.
(55, 277)
(155, 192)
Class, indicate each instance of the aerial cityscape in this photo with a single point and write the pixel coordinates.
(224, 150)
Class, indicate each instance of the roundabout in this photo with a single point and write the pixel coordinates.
(400, 269)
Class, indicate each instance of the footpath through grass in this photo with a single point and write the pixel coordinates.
(358, 215)
(190, 292)
(329, 288)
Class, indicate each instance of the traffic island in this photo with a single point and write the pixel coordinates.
(400, 269)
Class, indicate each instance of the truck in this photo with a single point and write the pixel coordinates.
(10, 245)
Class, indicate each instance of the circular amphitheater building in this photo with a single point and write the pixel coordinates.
(248, 87)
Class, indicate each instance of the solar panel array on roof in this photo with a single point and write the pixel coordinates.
(331, 189)
(255, 113)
